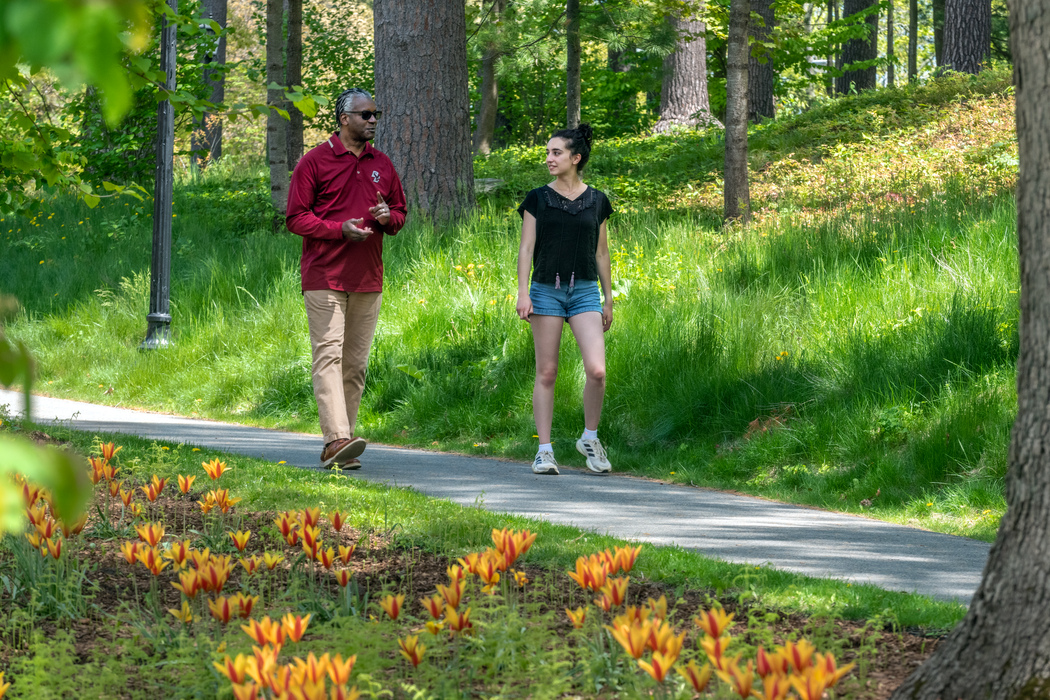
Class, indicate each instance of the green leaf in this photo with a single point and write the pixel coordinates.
(61, 473)
(91, 200)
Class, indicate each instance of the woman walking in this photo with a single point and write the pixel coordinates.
(564, 242)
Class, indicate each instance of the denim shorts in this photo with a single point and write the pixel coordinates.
(565, 302)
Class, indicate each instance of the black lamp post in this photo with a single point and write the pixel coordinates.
(158, 334)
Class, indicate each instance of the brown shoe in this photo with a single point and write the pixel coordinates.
(341, 452)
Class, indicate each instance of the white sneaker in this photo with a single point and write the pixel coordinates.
(544, 463)
(597, 462)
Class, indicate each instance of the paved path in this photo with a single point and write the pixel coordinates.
(725, 526)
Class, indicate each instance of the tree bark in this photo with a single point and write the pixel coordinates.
(572, 63)
(276, 124)
(486, 128)
(1001, 649)
(206, 142)
(736, 190)
(832, 58)
(421, 85)
(856, 50)
(294, 76)
(913, 40)
(967, 35)
(890, 56)
(684, 100)
(938, 31)
(760, 72)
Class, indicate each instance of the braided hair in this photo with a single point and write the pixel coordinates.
(579, 141)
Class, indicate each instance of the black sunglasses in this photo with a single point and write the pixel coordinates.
(367, 114)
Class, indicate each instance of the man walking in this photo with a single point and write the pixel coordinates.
(343, 197)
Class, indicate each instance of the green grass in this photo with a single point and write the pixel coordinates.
(868, 318)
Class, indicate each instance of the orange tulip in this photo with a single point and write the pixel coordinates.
(458, 622)
(221, 609)
(311, 516)
(54, 547)
(251, 564)
(521, 578)
(577, 617)
(311, 535)
(127, 496)
(468, 563)
(74, 528)
(292, 537)
(339, 670)
(740, 680)
(411, 649)
(346, 552)
(179, 552)
(272, 560)
(97, 469)
(240, 539)
(214, 469)
(295, 626)
(246, 691)
(435, 627)
(198, 558)
(341, 692)
(260, 630)
(128, 549)
(774, 687)
(150, 533)
(326, 557)
(183, 614)
(337, 519)
(213, 576)
(243, 604)
(658, 608)
(660, 666)
(766, 664)
(36, 514)
(109, 451)
(151, 559)
(343, 576)
(435, 605)
(114, 487)
(633, 638)
(392, 605)
(109, 472)
(262, 667)
(189, 583)
(834, 673)
(604, 600)
(714, 622)
(151, 492)
(159, 483)
(186, 483)
(626, 557)
(207, 504)
(716, 649)
(488, 568)
(235, 670)
(590, 573)
(617, 588)
(799, 655)
(452, 593)
(697, 677)
(47, 528)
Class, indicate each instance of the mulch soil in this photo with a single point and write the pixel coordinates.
(380, 563)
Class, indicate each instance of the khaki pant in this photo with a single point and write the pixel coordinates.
(342, 326)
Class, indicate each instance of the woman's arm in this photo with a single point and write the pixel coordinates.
(528, 243)
(604, 275)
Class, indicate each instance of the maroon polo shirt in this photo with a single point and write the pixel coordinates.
(330, 185)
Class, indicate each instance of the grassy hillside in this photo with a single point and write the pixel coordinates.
(854, 349)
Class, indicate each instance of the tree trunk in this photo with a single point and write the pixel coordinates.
(736, 190)
(856, 50)
(616, 62)
(913, 40)
(572, 63)
(486, 129)
(276, 124)
(294, 76)
(1001, 649)
(831, 58)
(890, 56)
(684, 100)
(421, 69)
(938, 31)
(760, 69)
(967, 35)
(207, 131)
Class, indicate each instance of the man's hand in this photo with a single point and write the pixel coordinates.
(381, 211)
(352, 230)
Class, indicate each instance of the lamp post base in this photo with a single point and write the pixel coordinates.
(158, 334)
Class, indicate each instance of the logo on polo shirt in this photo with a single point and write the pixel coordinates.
(375, 176)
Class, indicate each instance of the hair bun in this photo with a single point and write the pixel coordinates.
(586, 133)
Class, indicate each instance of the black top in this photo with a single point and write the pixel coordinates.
(566, 233)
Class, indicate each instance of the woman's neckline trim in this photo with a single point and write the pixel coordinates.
(585, 188)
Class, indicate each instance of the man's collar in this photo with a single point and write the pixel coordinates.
(339, 149)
